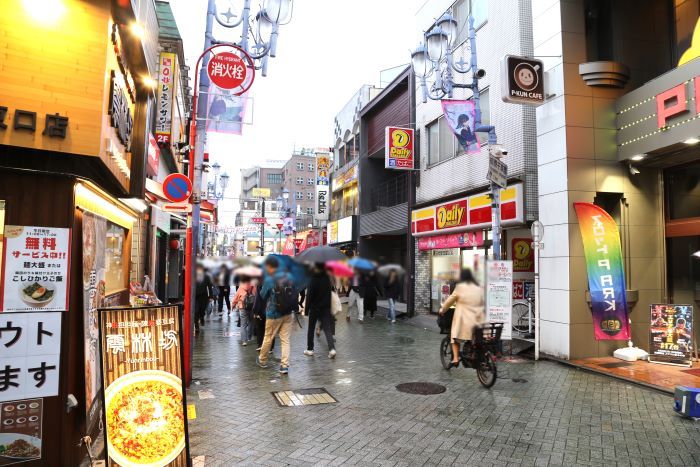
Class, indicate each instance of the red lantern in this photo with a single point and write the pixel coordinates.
(174, 244)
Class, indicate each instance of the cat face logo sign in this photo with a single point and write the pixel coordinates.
(522, 80)
(398, 151)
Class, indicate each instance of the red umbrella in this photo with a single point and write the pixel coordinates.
(339, 268)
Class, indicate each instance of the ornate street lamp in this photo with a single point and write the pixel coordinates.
(219, 181)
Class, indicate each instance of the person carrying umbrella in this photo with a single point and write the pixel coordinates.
(318, 307)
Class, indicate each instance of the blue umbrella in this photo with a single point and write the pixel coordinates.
(362, 264)
(298, 272)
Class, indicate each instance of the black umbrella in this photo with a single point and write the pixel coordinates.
(320, 254)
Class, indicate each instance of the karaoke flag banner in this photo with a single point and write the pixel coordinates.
(606, 277)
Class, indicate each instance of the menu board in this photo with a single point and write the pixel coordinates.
(499, 295)
(671, 334)
(35, 267)
(20, 431)
(144, 397)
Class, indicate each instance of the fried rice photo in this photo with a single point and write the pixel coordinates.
(145, 422)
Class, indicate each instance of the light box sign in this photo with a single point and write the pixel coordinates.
(399, 148)
(323, 167)
(164, 107)
(144, 396)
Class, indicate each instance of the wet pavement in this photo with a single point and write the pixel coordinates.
(540, 413)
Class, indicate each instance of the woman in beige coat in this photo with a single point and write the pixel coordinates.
(469, 311)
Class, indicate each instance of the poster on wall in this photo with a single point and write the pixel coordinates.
(30, 357)
(606, 277)
(36, 264)
(460, 116)
(20, 431)
(499, 295)
(322, 186)
(399, 149)
(671, 334)
(94, 270)
(144, 397)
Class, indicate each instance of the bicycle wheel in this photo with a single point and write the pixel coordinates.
(521, 317)
(446, 353)
(486, 371)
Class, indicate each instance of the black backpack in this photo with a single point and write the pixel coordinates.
(249, 301)
(285, 295)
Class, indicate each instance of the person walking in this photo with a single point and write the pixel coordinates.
(469, 311)
(278, 290)
(355, 297)
(223, 283)
(371, 289)
(244, 301)
(204, 294)
(392, 292)
(318, 308)
(259, 317)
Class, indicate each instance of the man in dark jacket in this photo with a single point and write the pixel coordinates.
(318, 307)
(204, 293)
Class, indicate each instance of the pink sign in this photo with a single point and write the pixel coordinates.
(456, 240)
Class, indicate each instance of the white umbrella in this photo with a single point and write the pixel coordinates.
(387, 268)
(249, 271)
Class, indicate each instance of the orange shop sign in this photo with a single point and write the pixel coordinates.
(399, 150)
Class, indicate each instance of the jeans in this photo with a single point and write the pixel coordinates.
(392, 309)
(246, 325)
(224, 294)
(355, 299)
(325, 318)
(273, 327)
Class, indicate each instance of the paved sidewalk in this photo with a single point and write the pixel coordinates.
(555, 415)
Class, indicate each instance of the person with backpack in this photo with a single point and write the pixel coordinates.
(244, 301)
(318, 308)
(281, 295)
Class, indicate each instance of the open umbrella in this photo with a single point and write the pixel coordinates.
(320, 254)
(249, 271)
(362, 264)
(387, 268)
(339, 269)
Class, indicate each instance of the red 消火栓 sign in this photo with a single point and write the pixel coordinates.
(468, 213)
(226, 70)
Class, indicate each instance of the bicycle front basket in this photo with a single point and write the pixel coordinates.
(489, 334)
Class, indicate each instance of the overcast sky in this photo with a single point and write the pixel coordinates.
(329, 50)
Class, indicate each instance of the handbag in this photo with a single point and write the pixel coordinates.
(336, 306)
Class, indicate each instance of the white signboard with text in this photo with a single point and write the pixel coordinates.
(499, 295)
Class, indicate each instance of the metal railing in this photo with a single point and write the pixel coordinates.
(389, 193)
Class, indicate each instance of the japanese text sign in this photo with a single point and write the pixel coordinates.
(141, 356)
(399, 148)
(323, 167)
(671, 334)
(227, 70)
(164, 106)
(499, 294)
(30, 346)
(35, 269)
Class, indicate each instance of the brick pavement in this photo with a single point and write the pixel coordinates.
(560, 416)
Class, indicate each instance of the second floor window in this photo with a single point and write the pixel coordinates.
(300, 180)
(299, 195)
(311, 167)
(274, 179)
(300, 166)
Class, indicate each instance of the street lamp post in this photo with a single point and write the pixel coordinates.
(213, 191)
(435, 57)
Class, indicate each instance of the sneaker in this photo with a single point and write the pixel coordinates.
(244, 344)
(393, 321)
(309, 353)
(332, 353)
(258, 349)
(284, 370)
(261, 365)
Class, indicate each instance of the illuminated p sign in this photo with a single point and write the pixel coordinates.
(673, 102)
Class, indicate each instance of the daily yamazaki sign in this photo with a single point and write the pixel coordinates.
(468, 213)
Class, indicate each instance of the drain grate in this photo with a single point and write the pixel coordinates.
(422, 389)
(615, 365)
(299, 397)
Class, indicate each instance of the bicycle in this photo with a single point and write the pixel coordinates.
(479, 354)
(522, 316)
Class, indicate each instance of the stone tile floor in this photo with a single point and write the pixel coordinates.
(559, 416)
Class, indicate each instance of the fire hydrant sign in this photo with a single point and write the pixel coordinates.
(35, 269)
(227, 70)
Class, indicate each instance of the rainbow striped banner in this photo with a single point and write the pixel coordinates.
(606, 277)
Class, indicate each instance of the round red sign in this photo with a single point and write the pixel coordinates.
(227, 70)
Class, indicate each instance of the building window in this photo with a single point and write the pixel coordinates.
(300, 180)
(274, 179)
(310, 211)
(309, 181)
(299, 195)
(310, 195)
(311, 167)
(461, 10)
(300, 166)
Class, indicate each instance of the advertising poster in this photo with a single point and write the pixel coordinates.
(459, 116)
(499, 295)
(606, 277)
(94, 268)
(398, 148)
(144, 397)
(166, 86)
(35, 269)
(20, 431)
(226, 112)
(322, 187)
(30, 356)
(671, 334)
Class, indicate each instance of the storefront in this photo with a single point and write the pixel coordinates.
(342, 234)
(453, 235)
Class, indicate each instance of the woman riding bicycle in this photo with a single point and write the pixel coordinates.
(469, 311)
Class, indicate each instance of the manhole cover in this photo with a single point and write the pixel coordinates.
(423, 389)
(298, 397)
(615, 365)
(519, 380)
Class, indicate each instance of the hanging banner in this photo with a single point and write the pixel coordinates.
(35, 269)
(226, 111)
(144, 397)
(671, 334)
(398, 148)
(460, 116)
(322, 186)
(606, 277)
(164, 106)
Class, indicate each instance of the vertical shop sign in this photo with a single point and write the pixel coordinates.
(144, 397)
(398, 148)
(606, 278)
(31, 348)
(166, 85)
(499, 295)
(322, 186)
(523, 255)
(671, 334)
(21, 431)
(94, 269)
(36, 265)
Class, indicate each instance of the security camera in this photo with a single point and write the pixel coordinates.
(633, 169)
(497, 150)
(480, 73)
